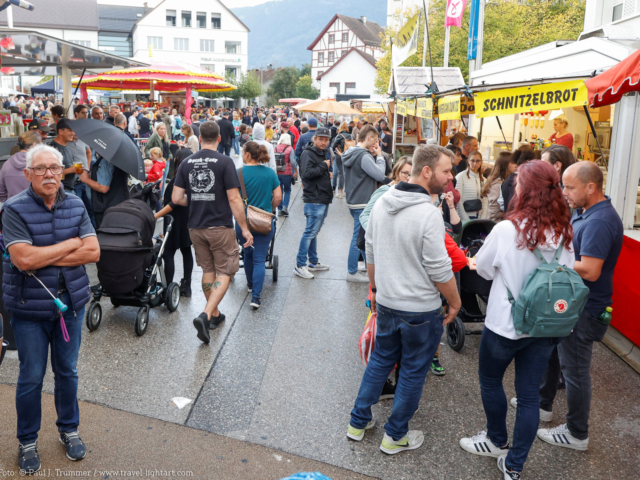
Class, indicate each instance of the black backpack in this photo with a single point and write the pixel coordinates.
(281, 160)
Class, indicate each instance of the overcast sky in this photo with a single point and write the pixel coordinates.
(153, 3)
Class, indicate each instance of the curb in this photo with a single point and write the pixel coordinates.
(623, 347)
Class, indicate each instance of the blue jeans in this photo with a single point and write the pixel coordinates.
(236, 146)
(81, 191)
(338, 173)
(33, 339)
(224, 149)
(315, 213)
(285, 186)
(354, 251)
(413, 335)
(254, 260)
(531, 356)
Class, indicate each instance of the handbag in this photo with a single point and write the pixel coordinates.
(474, 205)
(258, 220)
(367, 340)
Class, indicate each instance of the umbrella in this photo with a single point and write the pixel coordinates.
(293, 101)
(609, 87)
(328, 106)
(112, 144)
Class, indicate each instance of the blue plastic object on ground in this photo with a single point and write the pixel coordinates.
(307, 476)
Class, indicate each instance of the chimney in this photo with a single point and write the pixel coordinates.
(364, 20)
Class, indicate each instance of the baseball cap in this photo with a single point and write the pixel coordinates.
(323, 132)
(36, 124)
(284, 125)
(313, 122)
(62, 123)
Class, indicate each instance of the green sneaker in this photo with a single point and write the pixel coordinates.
(357, 434)
(436, 368)
(412, 440)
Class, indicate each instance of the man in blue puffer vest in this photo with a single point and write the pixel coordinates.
(48, 232)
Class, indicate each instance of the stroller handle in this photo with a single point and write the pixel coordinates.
(170, 223)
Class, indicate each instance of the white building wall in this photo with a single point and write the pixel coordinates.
(353, 69)
(232, 30)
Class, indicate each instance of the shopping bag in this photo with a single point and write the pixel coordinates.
(368, 338)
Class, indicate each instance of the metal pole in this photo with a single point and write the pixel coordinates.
(10, 17)
(424, 42)
(426, 30)
(480, 35)
(593, 130)
(445, 62)
(261, 101)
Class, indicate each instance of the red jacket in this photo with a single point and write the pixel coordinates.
(296, 135)
(156, 171)
(287, 150)
(458, 258)
(456, 193)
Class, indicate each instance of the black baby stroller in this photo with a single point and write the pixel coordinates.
(474, 290)
(130, 266)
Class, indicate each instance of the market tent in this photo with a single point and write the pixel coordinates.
(609, 87)
(46, 88)
(328, 106)
(373, 108)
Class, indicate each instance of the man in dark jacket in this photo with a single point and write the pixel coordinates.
(315, 171)
(307, 138)
(195, 124)
(227, 134)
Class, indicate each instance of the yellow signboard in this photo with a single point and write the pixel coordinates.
(467, 106)
(449, 108)
(425, 108)
(551, 96)
(402, 108)
(411, 107)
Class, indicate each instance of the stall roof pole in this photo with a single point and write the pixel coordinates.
(593, 130)
(187, 108)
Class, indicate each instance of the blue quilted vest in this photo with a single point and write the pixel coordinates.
(23, 296)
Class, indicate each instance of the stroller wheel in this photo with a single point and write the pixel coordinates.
(456, 334)
(274, 265)
(94, 316)
(173, 296)
(142, 321)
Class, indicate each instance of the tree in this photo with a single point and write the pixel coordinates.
(305, 89)
(510, 27)
(248, 86)
(284, 83)
(305, 70)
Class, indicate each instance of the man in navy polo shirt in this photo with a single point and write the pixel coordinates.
(597, 242)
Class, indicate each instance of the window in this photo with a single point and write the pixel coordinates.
(345, 37)
(181, 44)
(332, 38)
(201, 18)
(210, 67)
(336, 86)
(171, 18)
(617, 12)
(215, 21)
(331, 57)
(232, 47)
(321, 57)
(344, 52)
(84, 43)
(349, 88)
(186, 19)
(117, 43)
(155, 42)
(231, 71)
(206, 45)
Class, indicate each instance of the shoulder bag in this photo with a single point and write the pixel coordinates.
(258, 220)
(474, 205)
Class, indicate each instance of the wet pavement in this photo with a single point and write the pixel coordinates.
(285, 377)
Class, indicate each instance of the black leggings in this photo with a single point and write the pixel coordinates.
(170, 267)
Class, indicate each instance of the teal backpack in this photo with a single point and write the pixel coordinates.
(551, 301)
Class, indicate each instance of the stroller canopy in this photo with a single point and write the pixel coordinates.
(130, 216)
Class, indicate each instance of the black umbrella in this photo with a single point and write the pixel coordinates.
(112, 144)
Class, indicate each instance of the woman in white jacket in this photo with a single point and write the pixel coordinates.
(469, 183)
(540, 219)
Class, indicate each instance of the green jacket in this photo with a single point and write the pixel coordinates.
(154, 141)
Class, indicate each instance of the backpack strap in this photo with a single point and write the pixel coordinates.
(556, 259)
(539, 256)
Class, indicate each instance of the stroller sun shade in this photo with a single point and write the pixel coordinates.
(131, 216)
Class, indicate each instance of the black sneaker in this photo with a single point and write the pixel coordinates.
(388, 391)
(201, 322)
(284, 212)
(76, 449)
(255, 303)
(185, 288)
(28, 458)
(216, 321)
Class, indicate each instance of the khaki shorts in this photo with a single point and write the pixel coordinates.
(216, 250)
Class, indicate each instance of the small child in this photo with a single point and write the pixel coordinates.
(158, 165)
(147, 166)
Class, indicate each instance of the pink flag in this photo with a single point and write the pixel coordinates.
(455, 10)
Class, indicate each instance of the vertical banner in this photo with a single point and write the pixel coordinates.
(472, 46)
(411, 107)
(401, 108)
(406, 42)
(455, 11)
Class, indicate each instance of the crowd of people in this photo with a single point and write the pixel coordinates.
(226, 177)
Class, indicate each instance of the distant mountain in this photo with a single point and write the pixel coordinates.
(282, 30)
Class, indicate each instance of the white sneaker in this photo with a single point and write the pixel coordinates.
(362, 267)
(481, 445)
(412, 440)
(561, 437)
(357, 277)
(318, 267)
(545, 417)
(303, 272)
(507, 474)
(358, 434)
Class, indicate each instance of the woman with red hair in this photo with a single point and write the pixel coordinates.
(538, 220)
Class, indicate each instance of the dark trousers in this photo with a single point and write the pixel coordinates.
(550, 382)
(224, 149)
(170, 266)
(81, 191)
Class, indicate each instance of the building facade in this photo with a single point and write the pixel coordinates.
(341, 35)
(351, 77)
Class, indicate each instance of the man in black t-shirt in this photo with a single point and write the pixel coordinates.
(208, 184)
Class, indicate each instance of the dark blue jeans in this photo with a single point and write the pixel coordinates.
(33, 339)
(254, 260)
(531, 356)
(354, 251)
(413, 335)
(224, 149)
(285, 186)
(315, 213)
(81, 191)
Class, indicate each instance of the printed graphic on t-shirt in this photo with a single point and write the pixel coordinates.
(202, 180)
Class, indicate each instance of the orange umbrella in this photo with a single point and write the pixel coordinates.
(328, 106)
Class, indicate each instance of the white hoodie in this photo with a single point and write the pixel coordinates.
(502, 261)
(259, 137)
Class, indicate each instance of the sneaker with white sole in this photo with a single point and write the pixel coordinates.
(357, 434)
(303, 272)
(545, 417)
(507, 474)
(561, 437)
(412, 440)
(481, 445)
(358, 277)
(318, 267)
(362, 267)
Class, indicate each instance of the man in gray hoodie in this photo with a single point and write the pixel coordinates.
(409, 265)
(364, 168)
